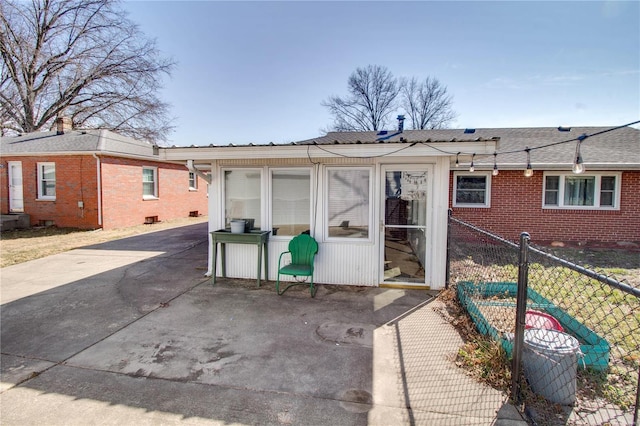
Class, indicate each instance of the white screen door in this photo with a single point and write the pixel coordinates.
(16, 200)
(404, 224)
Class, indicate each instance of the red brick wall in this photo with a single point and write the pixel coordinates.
(75, 181)
(121, 180)
(516, 206)
(123, 204)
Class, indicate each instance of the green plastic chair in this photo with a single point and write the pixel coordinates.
(302, 249)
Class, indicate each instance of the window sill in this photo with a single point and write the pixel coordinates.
(353, 241)
(471, 206)
(45, 199)
(149, 198)
(582, 208)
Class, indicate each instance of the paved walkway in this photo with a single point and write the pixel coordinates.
(130, 332)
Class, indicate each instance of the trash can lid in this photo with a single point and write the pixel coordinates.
(550, 340)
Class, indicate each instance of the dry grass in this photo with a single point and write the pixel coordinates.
(22, 245)
(480, 356)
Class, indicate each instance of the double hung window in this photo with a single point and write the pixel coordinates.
(149, 182)
(193, 181)
(46, 181)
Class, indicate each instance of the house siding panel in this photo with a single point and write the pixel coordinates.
(516, 207)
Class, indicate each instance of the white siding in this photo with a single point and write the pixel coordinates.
(349, 262)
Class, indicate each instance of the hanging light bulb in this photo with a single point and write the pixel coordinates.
(457, 162)
(529, 170)
(471, 167)
(578, 165)
(495, 164)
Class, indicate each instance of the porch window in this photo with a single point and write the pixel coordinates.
(242, 195)
(471, 190)
(349, 202)
(290, 201)
(46, 181)
(569, 191)
(149, 182)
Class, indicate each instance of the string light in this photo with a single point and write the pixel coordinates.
(495, 164)
(578, 165)
(471, 167)
(529, 170)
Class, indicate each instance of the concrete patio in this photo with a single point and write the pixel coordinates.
(131, 332)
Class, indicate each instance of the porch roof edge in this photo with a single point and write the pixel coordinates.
(427, 149)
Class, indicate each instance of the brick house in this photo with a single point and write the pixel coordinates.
(91, 179)
(377, 202)
(598, 207)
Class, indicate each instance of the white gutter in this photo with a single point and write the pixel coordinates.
(193, 169)
(325, 151)
(99, 180)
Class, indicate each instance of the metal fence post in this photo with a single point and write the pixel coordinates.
(635, 413)
(521, 308)
(448, 265)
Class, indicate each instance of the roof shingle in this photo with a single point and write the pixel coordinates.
(75, 141)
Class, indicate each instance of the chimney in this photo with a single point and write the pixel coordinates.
(63, 124)
(400, 123)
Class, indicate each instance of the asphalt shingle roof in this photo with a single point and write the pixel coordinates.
(605, 148)
(619, 147)
(75, 141)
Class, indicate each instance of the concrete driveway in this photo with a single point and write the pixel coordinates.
(131, 332)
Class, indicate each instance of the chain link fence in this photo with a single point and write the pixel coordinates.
(570, 334)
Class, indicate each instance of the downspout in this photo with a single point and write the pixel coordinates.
(192, 168)
(99, 180)
(99, 174)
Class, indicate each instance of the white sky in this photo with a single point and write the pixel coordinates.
(258, 71)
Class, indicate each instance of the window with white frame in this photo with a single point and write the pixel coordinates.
(592, 191)
(46, 181)
(242, 195)
(193, 181)
(290, 201)
(472, 189)
(348, 202)
(149, 182)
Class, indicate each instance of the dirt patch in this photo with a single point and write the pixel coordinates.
(22, 245)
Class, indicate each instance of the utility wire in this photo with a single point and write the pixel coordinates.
(365, 157)
(579, 138)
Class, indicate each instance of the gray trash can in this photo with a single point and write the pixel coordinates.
(550, 363)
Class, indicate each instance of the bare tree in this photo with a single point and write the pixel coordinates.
(83, 59)
(426, 103)
(371, 98)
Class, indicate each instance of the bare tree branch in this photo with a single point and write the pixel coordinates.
(372, 92)
(426, 103)
(84, 59)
